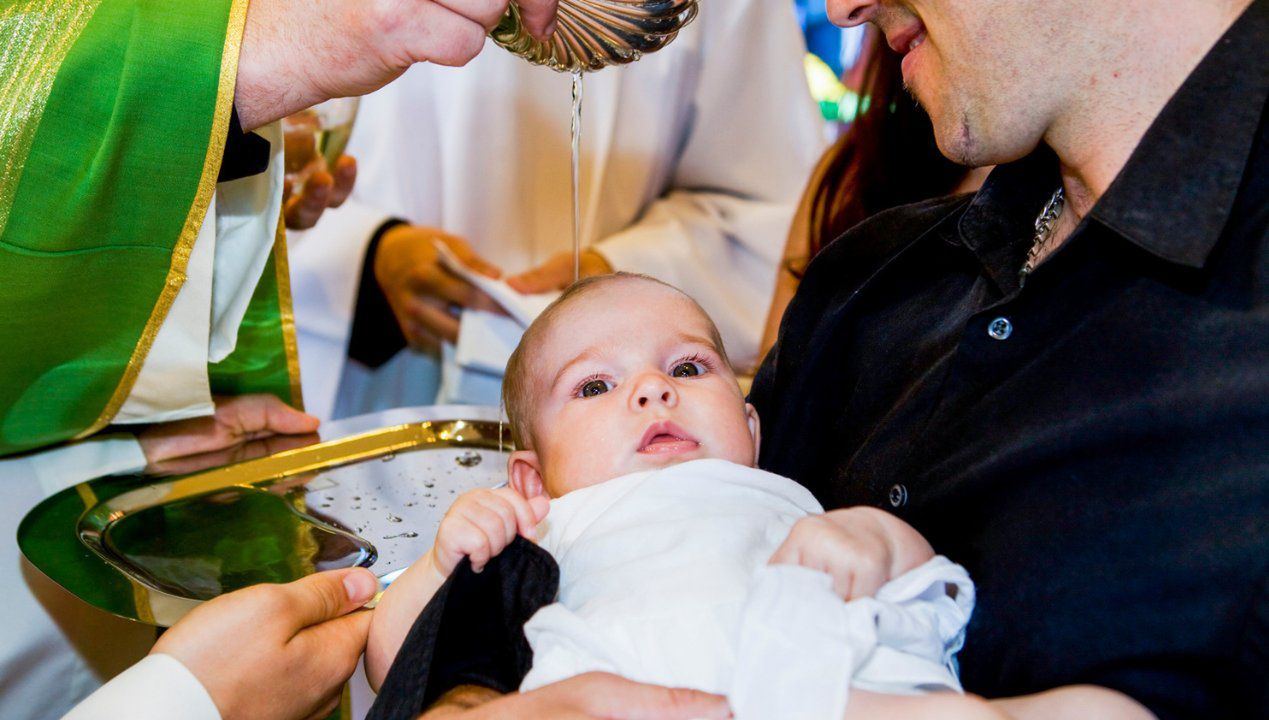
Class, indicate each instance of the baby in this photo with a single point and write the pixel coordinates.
(680, 563)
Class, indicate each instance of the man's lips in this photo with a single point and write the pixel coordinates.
(907, 39)
(666, 437)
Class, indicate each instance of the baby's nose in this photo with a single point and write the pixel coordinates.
(653, 390)
(645, 398)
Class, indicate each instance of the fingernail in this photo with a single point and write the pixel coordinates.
(360, 586)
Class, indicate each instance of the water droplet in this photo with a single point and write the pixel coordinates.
(411, 504)
(356, 498)
(471, 458)
(407, 534)
(325, 504)
(389, 457)
(393, 518)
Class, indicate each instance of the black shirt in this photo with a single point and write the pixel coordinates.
(1093, 446)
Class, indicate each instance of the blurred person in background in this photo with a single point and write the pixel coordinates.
(691, 161)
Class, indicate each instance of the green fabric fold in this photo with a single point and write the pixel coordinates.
(98, 227)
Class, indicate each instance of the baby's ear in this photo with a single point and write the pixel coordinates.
(524, 474)
(755, 429)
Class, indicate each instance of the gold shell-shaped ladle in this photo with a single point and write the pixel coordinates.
(593, 34)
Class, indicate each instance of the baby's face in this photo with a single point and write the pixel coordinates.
(625, 379)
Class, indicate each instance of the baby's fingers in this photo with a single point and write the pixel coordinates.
(805, 535)
(541, 507)
(862, 578)
(786, 554)
(496, 534)
(528, 512)
(457, 538)
(499, 505)
(855, 562)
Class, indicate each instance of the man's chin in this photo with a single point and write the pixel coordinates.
(957, 142)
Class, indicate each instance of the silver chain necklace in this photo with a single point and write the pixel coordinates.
(1043, 233)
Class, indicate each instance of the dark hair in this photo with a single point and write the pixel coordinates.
(886, 158)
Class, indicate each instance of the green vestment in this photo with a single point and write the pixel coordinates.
(113, 117)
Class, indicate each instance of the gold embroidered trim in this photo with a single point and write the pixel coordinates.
(35, 37)
(193, 221)
(286, 312)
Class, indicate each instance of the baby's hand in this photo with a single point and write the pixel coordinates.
(862, 548)
(482, 523)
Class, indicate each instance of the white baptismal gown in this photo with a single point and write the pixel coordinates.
(663, 579)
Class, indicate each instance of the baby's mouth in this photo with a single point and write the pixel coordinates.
(666, 438)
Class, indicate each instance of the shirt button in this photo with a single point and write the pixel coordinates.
(898, 496)
(1000, 329)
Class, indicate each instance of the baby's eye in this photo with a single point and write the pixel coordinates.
(687, 369)
(592, 388)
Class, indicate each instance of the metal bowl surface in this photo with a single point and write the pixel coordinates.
(152, 549)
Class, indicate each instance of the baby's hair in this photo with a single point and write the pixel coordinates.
(517, 390)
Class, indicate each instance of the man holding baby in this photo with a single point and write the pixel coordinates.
(1060, 382)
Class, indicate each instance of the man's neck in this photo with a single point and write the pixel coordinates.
(1137, 65)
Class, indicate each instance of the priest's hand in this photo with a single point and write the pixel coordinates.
(277, 651)
(297, 54)
(237, 420)
(557, 272)
(423, 295)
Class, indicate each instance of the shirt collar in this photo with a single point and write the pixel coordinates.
(999, 224)
(1175, 193)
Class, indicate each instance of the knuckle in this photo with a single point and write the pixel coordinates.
(681, 697)
(268, 599)
(871, 567)
(598, 683)
(324, 597)
(384, 18)
(272, 596)
(468, 44)
(510, 512)
(806, 529)
(491, 11)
